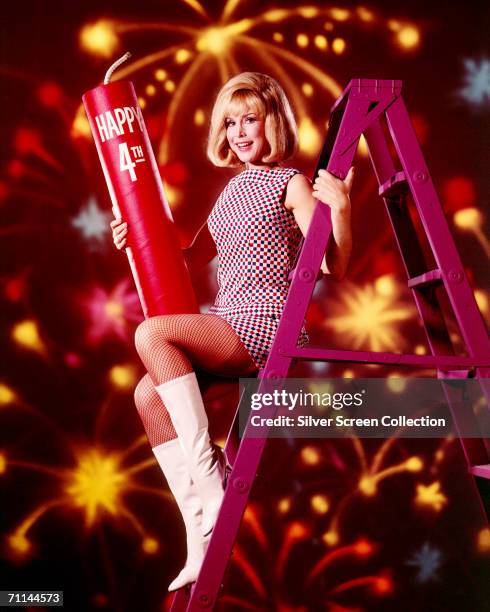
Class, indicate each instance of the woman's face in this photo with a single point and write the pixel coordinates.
(245, 132)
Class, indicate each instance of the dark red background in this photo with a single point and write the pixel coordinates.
(49, 272)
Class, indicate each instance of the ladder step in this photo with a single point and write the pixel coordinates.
(433, 277)
(481, 470)
(394, 186)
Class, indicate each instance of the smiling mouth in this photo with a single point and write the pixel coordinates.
(244, 145)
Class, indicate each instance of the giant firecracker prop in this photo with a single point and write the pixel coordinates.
(137, 195)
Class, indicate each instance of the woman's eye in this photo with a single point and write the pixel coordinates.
(250, 119)
(228, 123)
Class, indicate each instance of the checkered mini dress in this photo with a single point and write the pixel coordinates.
(257, 240)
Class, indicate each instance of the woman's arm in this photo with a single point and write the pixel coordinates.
(300, 199)
(201, 250)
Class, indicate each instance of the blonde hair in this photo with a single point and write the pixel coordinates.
(263, 95)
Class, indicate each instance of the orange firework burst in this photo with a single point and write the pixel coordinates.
(219, 46)
(265, 590)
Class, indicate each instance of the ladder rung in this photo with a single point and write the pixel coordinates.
(433, 277)
(395, 185)
(481, 470)
(312, 353)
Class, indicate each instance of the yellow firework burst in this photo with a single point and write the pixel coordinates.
(97, 485)
(367, 317)
(220, 45)
(431, 496)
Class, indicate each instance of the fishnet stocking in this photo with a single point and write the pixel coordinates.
(169, 345)
(153, 414)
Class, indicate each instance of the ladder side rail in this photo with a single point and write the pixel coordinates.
(333, 128)
(379, 154)
(360, 90)
(180, 601)
(425, 298)
(425, 197)
(447, 259)
(207, 586)
(409, 247)
(411, 253)
(341, 101)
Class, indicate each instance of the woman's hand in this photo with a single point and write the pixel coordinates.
(119, 233)
(332, 191)
(301, 201)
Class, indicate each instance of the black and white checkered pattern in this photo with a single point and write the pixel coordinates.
(257, 239)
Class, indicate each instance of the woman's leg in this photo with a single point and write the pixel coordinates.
(153, 414)
(168, 346)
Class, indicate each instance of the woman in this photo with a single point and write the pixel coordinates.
(255, 227)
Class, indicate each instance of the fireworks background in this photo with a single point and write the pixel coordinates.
(351, 526)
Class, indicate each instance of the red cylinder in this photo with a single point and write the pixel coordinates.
(137, 195)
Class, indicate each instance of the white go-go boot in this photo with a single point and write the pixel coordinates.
(183, 400)
(173, 463)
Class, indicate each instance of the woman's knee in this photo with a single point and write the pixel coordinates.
(141, 335)
(142, 392)
(150, 331)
